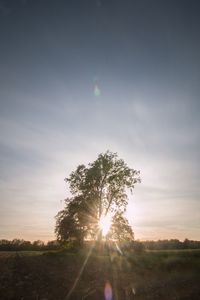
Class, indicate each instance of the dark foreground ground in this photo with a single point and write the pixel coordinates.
(52, 275)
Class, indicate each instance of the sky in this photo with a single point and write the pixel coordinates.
(80, 77)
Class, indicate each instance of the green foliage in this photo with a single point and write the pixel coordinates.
(96, 190)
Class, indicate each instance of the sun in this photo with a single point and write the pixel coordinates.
(105, 223)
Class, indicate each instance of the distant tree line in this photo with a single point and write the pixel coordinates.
(173, 244)
(22, 245)
(138, 246)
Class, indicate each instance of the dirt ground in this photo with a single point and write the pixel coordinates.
(63, 276)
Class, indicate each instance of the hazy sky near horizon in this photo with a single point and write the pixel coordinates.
(78, 77)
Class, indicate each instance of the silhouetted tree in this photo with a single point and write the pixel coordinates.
(96, 190)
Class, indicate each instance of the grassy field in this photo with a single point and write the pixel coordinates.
(63, 275)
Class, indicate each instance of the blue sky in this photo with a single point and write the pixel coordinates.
(145, 59)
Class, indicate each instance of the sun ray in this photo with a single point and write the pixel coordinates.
(80, 273)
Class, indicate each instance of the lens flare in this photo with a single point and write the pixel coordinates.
(118, 248)
(97, 91)
(108, 291)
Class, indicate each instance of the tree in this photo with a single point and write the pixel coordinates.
(98, 189)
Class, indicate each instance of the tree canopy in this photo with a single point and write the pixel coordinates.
(97, 190)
